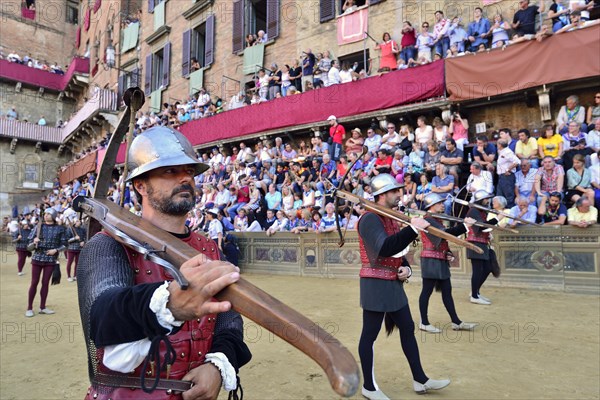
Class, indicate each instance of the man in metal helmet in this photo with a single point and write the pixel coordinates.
(146, 337)
(383, 245)
(435, 265)
(481, 263)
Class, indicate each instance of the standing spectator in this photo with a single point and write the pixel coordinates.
(274, 81)
(593, 113)
(337, 132)
(485, 153)
(550, 144)
(12, 114)
(440, 132)
(527, 148)
(346, 73)
(408, 42)
(373, 140)
(499, 32)
(506, 168)
(324, 65)
(296, 75)
(559, 14)
(389, 51)
(424, 43)
(550, 177)
(524, 19)
(480, 179)
(443, 184)
(582, 214)
(457, 35)
(459, 130)
(551, 210)
(334, 73)
(522, 210)
(525, 181)
(477, 31)
(285, 80)
(308, 64)
(571, 112)
(441, 40)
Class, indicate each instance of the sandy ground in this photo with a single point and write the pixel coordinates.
(529, 344)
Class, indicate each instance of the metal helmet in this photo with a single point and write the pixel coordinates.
(384, 183)
(51, 211)
(482, 195)
(161, 147)
(432, 199)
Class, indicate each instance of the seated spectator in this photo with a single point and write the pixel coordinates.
(582, 214)
(480, 179)
(12, 114)
(579, 181)
(499, 204)
(281, 224)
(432, 157)
(288, 154)
(423, 132)
(422, 190)
(549, 178)
(240, 197)
(415, 160)
(327, 171)
(391, 139)
(373, 140)
(443, 184)
(525, 181)
(308, 196)
(551, 144)
(574, 143)
(242, 224)
(459, 130)
(592, 139)
(593, 114)
(406, 139)
(571, 112)
(350, 220)
(328, 220)
(477, 34)
(355, 143)
(440, 132)
(303, 149)
(287, 199)
(452, 157)
(551, 211)
(304, 224)
(522, 210)
(485, 153)
(524, 19)
(273, 198)
(595, 170)
(223, 196)
(527, 148)
(383, 163)
(317, 222)
(398, 166)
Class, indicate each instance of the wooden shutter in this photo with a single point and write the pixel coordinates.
(185, 55)
(151, 6)
(136, 79)
(122, 88)
(238, 26)
(327, 10)
(209, 45)
(166, 64)
(371, 2)
(273, 7)
(148, 75)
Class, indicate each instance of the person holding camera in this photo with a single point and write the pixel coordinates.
(459, 131)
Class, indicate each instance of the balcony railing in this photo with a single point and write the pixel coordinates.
(40, 78)
(102, 100)
(29, 131)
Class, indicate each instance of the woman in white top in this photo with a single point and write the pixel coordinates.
(287, 200)
(285, 79)
(423, 133)
(346, 73)
(440, 132)
(499, 31)
(281, 224)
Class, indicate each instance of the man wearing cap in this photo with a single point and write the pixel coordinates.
(215, 227)
(47, 246)
(435, 265)
(481, 264)
(143, 332)
(21, 239)
(337, 133)
(383, 245)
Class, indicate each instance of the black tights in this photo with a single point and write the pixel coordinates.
(371, 326)
(481, 270)
(446, 286)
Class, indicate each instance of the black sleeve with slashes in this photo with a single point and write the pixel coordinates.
(378, 242)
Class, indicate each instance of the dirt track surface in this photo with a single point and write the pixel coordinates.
(529, 344)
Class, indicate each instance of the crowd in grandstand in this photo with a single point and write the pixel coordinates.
(31, 62)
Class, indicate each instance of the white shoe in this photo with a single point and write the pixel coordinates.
(484, 298)
(70, 279)
(480, 301)
(432, 384)
(374, 394)
(46, 311)
(429, 328)
(464, 326)
(20, 273)
(29, 313)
